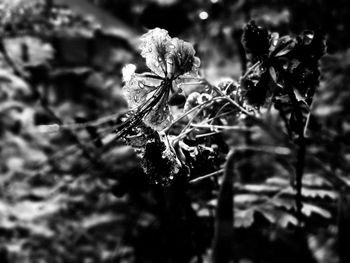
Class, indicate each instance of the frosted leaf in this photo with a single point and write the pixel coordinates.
(155, 48)
(139, 88)
(183, 56)
(168, 57)
(159, 117)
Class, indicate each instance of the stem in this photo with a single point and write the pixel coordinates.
(301, 151)
(344, 227)
(192, 110)
(299, 177)
(224, 127)
(224, 219)
(250, 70)
(201, 178)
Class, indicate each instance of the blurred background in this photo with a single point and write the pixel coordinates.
(63, 201)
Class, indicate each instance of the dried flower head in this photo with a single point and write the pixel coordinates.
(169, 59)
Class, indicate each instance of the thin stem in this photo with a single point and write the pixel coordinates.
(207, 134)
(192, 110)
(250, 70)
(201, 178)
(224, 127)
(301, 151)
(223, 241)
(183, 134)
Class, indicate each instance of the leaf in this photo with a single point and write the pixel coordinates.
(245, 199)
(273, 74)
(309, 209)
(260, 188)
(159, 117)
(244, 218)
(13, 86)
(155, 48)
(278, 217)
(29, 211)
(97, 221)
(168, 57)
(139, 88)
(183, 59)
(256, 40)
(28, 51)
(284, 46)
(313, 193)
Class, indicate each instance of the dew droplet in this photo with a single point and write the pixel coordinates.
(142, 85)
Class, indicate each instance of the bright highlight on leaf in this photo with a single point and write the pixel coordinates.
(128, 71)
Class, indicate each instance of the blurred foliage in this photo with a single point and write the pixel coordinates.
(73, 191)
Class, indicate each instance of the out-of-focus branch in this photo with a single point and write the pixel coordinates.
(108, 22)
